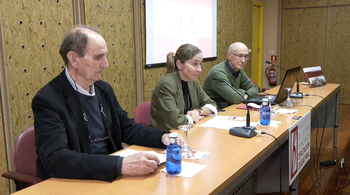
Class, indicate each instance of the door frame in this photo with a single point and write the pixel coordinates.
(257, 77)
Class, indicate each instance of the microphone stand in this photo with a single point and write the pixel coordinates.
(246, 131)
(296, 94)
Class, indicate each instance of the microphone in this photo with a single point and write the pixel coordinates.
(268, 62)
(246, 131)
(296, 94)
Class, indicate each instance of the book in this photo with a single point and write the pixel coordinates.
(314, 76)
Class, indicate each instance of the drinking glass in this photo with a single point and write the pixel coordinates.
(270, 99)
(187, 152)
(288, 103)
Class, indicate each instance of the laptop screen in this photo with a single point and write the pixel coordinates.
(287, 82)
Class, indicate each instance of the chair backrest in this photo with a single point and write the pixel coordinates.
(142, 113)
(24, 156)
(254, 83)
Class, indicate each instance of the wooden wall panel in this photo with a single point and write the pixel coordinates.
(31, 43)
(32, 32)
(206, 66)
(115, 19)
(243, 27)
(4, 183)
(234, 23)
(151, 77)
(318, 36)
(339, 2)
(338, 51)
(312, 3)
(225, 28)
(303, 39)
(299, 4)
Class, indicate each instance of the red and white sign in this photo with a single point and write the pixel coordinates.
(299, 146)
(273, 58)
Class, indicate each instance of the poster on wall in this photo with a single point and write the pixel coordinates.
(172, 23)
(299, 146)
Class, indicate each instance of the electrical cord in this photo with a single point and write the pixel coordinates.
(318, 150)
(323, 129)
(316, 157)
(262, 132)
(342, 167)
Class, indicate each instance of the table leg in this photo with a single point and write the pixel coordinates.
(336, 120)
(293, 189)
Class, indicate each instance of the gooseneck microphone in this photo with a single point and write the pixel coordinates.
(268, 62)
(296, 94)
(246, 131)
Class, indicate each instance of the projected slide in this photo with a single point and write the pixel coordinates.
(171, 23)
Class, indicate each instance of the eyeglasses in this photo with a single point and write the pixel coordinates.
(241, 56)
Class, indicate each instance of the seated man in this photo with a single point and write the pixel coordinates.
(78, 120)
(231, 71)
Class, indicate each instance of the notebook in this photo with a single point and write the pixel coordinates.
(287, 82)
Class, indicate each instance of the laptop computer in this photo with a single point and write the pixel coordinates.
(287, 82)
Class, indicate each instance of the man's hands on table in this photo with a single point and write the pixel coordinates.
(144, 163)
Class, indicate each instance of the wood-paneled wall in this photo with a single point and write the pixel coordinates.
(33, 31)
(115, 19)
(4, 189)
(31, 43)
(316, 33)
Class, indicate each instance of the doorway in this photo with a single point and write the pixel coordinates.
(257, 50)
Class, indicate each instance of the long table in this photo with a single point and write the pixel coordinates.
(231, 161)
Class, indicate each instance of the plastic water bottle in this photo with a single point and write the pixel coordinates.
(173, 156)
(265, 113)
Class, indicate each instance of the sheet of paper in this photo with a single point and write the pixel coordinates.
(273, 123)
(227, 122)
(197, 154)
(128, 152)
(189, 169)
(286, 111)
(312, 69)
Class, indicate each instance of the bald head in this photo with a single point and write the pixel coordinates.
(237, 46)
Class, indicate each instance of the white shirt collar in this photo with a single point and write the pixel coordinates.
(77, 88)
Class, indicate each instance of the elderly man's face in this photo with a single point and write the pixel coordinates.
(237, 57)
(94, 61)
